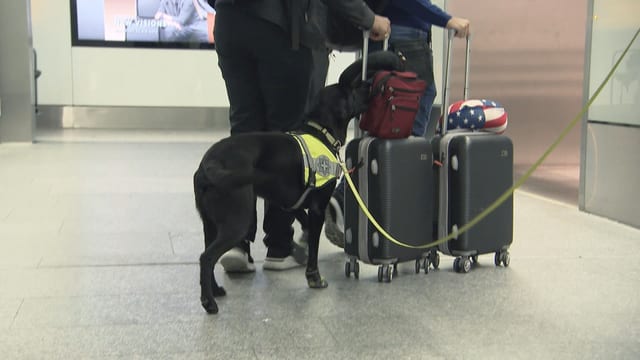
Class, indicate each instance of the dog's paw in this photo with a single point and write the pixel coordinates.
(209, 306)
(315, 280)
(218, 291)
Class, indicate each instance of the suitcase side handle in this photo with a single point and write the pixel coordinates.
(447, 72)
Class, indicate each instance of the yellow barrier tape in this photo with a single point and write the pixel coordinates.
(509, 191)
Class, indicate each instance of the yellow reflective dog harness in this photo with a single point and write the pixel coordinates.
(320, 164)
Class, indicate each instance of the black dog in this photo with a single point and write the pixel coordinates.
(269, 165)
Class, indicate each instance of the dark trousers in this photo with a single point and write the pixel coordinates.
(267, 84)
(319, 70)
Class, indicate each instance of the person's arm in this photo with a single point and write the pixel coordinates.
(187, 12)
(434, 15)
(425, 10)
(357, 12)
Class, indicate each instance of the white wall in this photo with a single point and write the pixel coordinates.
(52, 40)
(90, 76)
(86, 76)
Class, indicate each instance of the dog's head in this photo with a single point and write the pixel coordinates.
(337, 104)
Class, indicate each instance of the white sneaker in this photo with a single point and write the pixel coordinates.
(286, 263)
(237, 261)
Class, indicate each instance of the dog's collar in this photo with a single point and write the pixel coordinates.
(335, 143)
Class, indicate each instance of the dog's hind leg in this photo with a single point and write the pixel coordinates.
(210, 234)
(202, 198)
(209, 287)
(231, 214)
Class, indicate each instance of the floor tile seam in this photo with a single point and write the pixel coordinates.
(514, 254)
(105, 326)
(15, 316)
(40, 266)
(119, 353)
(141, 141)
(171, 244)
(336, 342)
(191, 318)
(546, 199)
(113, 325)
(138, 264)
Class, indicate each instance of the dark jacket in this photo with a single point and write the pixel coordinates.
(311, 14)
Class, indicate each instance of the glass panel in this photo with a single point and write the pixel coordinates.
(614, 24)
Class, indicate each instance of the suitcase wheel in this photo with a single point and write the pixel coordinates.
(431, 260)
(435, 259)
(352, 266)
(386, 272)
(462, 264)
(419, 265)
(502, 258)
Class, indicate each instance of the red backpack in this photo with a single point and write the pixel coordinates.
(394, 102)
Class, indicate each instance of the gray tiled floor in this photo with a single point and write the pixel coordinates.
(100, 241)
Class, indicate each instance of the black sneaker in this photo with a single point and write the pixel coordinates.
(334, 221)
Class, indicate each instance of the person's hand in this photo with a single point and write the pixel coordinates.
(460, 25)
(381, 28)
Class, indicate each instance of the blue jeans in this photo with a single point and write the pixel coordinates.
(401, 33)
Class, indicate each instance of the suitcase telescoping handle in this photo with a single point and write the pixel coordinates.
(447, 72)
(365, 51)
(357, 132)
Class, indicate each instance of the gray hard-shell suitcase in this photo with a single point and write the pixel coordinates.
(476, 169)
(394, 177)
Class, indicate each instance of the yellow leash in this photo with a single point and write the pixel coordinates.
(509, 191)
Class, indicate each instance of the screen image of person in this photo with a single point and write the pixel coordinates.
(186, 21)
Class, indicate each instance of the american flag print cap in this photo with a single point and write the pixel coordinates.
(477, 114)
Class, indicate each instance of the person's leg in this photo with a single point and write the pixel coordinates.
(285, 75)
(239, 68)
(246, 111)
(424, 111)
(284, 78)
(320, 68)
(319, 71)
(278, 238)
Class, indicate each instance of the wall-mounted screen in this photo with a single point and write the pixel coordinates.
(143, 23)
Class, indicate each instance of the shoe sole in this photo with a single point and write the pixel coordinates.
(233, 264)
(280, 264)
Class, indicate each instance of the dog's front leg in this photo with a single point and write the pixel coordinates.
(316, 220)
